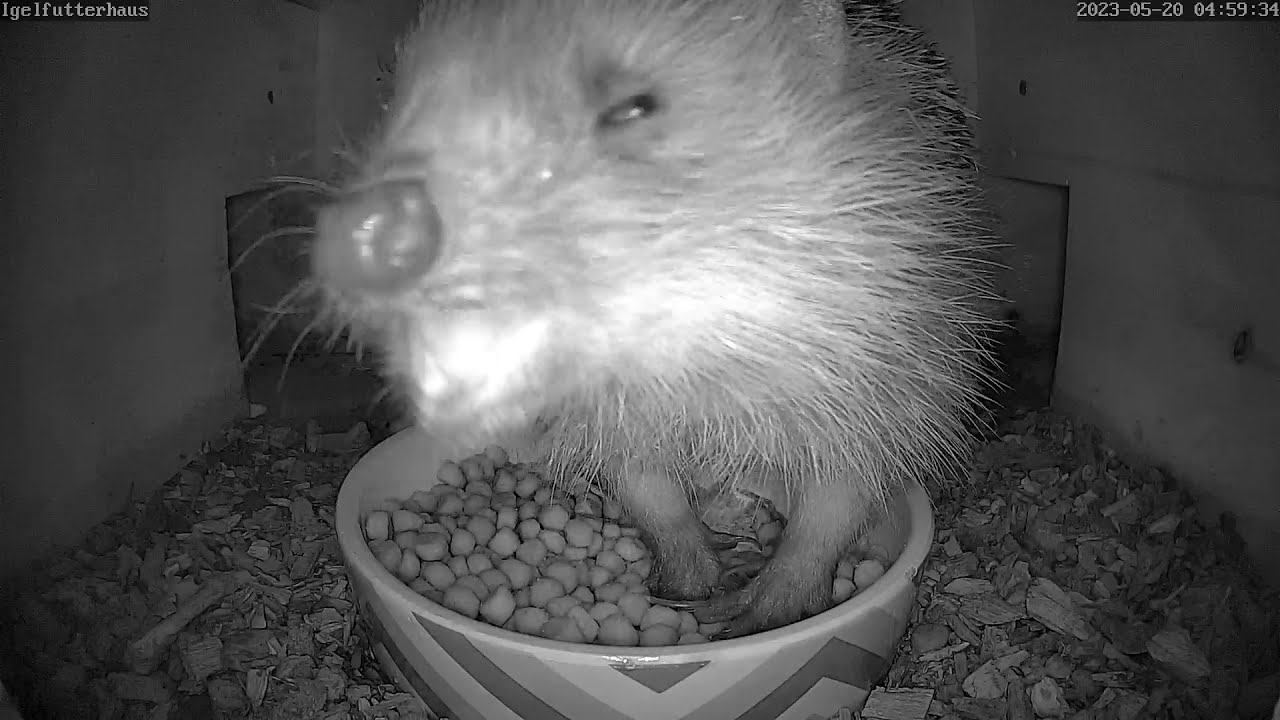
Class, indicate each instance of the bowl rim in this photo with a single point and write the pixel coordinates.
(358, 558)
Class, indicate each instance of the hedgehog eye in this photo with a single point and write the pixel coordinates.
(633, 109)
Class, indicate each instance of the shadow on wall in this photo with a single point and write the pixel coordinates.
(298, 365)
(129, 135)
(1031, 223)
(268, 235)
(132, 135)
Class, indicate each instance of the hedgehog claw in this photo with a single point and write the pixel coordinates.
(739, 626)
(728, 632)
(730, 541)
(676, 604)
(731, 583)
(717, 609)
(728, 608)
(722, 542)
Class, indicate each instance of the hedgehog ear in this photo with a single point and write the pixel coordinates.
(822, 25)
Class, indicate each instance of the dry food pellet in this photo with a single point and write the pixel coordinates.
(611, 561)
(688, 623)
(462, 600)
(630, 580)
(495, 578)
(504, 542)
(438, 574)
(658, 636)
(408, 567)
(617, 630)
(496, 455)
(578, 532)
(532, 551)
(462, 543)
(553, 517)
(421, 501)
(387, 553)
(867, 572)
(497, 608)
(478, 563)
(474, 584)
(560, 606)
(529, 528)
(475, 504)
(507, 517)
(529, 620)
(565, 573)
(563, 629)
(432, 546)
(543, 590)
(406, 539)
(599, 575)
(505, 482)
(450, 474)
(587, 624)
(629, 548)
(602, 610)
(555, 542)
(471, 468)
(527, 486)
(842, 589)
(422, 587)
(490, 540)
(377, 526)
(659, 615)
(517, 572)
(450, 505)
(611, 592)
(405, 520)
(458, 565)
(633, 606)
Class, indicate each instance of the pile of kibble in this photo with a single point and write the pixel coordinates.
(491, 541)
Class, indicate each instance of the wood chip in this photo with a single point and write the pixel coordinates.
(898, 704)
(1120, 703)
(986, 682)
(1047, 603)
(202, 657)
(1173, 648)
(1017, 700)
(227, 696)
(145, 653)
(256, 686)
(989, 610)
(1047, 700)
(969, 586)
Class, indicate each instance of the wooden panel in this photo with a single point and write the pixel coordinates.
(1192, 100)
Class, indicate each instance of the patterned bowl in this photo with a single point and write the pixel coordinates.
(467, 670)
